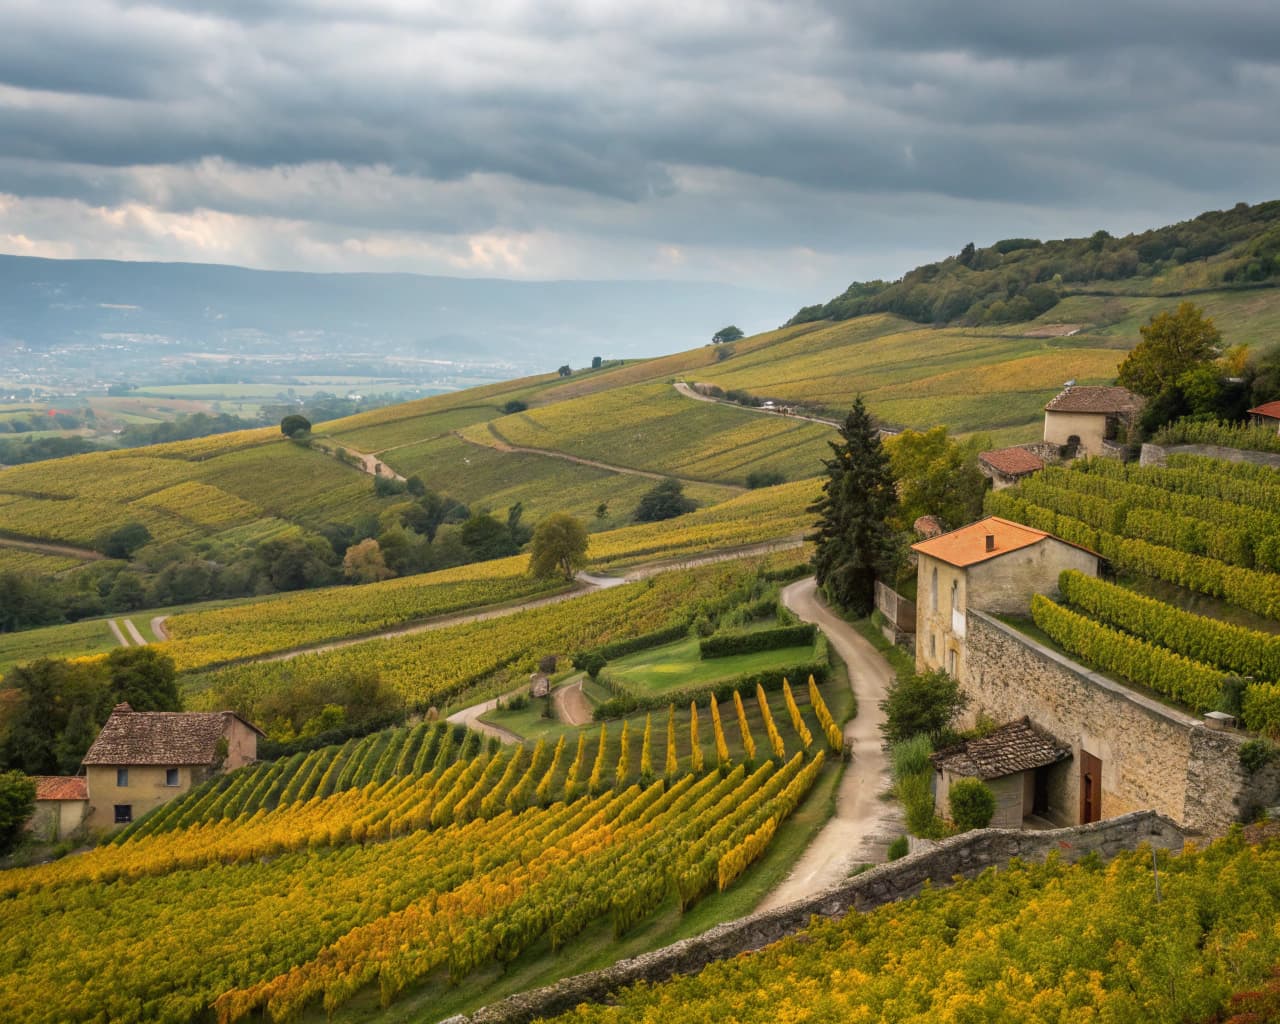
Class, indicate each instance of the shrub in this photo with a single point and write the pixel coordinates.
(921, 705)
(724, 645)
(916, 794)
(590, 662)
(899, 848)
(911, 756)
(758, 478)
(1257, 754)
(972, 804)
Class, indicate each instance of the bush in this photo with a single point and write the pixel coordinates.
(513, 406)
(1257, 754)
(758, 478)
(665, 501)
(725, 645)
(921, 705)
(17, 802)
(916, 794)
(911, 757)
(972, 804)
(899, 848)
(590, 662)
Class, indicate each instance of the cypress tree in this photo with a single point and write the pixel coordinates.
(853, 539)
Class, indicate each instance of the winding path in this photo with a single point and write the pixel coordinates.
(863, 824)
(572, 706)
(688, 392)
(470, 717)
(49, 548)
(499, 445)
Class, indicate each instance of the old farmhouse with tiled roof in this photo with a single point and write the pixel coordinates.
(1015, 761)
(1267, 415)
(1087, 418)
(142, 759)
(1006, 466)
(994, 565)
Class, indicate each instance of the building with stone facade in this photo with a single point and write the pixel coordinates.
(1004, 467)
(993, 564)
(62, 802)
(142, 759)
(1085, 420)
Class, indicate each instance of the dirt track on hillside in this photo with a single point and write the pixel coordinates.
(44, 548)
(863, 824)
(572, 706)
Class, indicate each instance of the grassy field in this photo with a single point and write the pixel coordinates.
(78, 639)
(677, 666)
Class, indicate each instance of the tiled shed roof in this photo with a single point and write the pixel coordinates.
(1017, 747)
(1013, 461)
(61, 787)
(160, 737)
(1095, 399)
(969, 544)
(1271, 410)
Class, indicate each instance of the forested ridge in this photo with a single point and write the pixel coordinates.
(1018, 279)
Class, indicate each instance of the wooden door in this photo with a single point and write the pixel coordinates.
(1090, 788)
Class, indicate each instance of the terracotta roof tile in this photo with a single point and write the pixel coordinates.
(968, 545)
(1095, 399)
(160, 737)
(1013, 461)
(1271, 410)
(61, 787)
(1017, 747)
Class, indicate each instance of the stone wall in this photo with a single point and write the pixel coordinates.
(1153, 756)
(1156, 455)
(965, 855)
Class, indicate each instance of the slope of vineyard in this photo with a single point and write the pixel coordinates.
(1208, 534)
(472, 856)
(1034, 943)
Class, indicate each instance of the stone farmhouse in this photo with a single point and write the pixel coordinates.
(1124, 750)
(1086, 420)
(142, 759)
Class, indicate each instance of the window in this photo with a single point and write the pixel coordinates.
(124, 814)
(933, 600)
(955, 595)
(122, 777)
(171, 776)
(933, 645)
(951, 661)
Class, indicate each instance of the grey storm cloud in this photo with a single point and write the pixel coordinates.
(768, 123)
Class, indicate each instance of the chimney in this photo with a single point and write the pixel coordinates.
(122, 709)
(991, 541)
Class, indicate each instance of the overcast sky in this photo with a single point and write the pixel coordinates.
(791, 144)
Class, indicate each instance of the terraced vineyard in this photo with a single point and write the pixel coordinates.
(475, 857)
(1200, 526)
(433, 668)
(1044, 942)
(651, 427)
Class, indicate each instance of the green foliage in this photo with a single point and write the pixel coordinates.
(666, 500)
(972, 804)
(1256, 754)
(514, 405)
(1172, 345)
(143, 677)
(936, 476)
(1019, 279)
(898, 848)
(723, 645)
(921, 705)
(294, 425)
(1245, 436)
(485, 537)
(124, 540)
(853, 540)
(17, 803)
(559, 546)
(911, 756)
(758, 478)
(730, 333)
(916, 794)
(590, 662)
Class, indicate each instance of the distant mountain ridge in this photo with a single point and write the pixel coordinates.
(1018, 279)
(47, 303)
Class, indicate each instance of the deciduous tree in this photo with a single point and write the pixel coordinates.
(1172, 344)
(559, 546)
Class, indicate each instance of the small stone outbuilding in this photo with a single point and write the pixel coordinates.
(1088, 419)
(142, 759)
(62, 802)
(1004, 467)
(539, 685)
(1266, 415)
(1016, 761)
(993, 565)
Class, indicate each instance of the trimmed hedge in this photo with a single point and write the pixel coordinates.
(1261, 711)
(724, 645)
(1191, 683)
(1248, 652)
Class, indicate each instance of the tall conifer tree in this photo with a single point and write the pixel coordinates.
(853, 539)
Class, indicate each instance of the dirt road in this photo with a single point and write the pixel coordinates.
(138, 639)
(688, 392)
(470, 717)
(863, 824)
(51, 549)
(117, 632)
(499, 445)
(572, 706)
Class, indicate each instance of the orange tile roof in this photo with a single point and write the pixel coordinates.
(968, 545)
(1271, 410)
(61, 787)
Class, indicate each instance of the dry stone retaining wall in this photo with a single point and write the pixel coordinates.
(965, 855)
(1156, 455)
